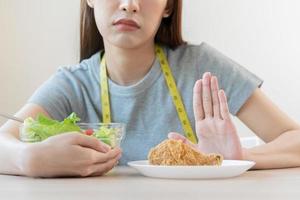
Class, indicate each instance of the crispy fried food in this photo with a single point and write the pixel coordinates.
(175, 152)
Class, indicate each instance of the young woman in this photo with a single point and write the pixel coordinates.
(137, 42)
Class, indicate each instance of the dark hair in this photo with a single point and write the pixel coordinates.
(169, 32)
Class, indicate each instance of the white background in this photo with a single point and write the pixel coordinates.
(37, 36)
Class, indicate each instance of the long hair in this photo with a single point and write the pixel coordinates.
(91, 41)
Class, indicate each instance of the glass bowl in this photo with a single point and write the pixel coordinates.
(109, 133)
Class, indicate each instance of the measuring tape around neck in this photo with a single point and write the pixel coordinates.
(177, 100)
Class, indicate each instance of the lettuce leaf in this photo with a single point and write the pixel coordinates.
(106, 135)
(44, 127)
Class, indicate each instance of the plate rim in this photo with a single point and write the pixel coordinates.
(192, 172)
(132, 164)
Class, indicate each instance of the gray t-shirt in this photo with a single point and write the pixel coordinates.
(146, 107)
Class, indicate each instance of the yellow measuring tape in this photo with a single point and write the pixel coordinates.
(104, 92)
(177, 100)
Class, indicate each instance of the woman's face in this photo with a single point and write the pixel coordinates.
(128, 23)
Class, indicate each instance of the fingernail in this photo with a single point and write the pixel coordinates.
(119, 156)
(207, 74)
(197, 84)
(117, 149)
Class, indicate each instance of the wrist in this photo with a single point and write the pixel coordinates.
(27, 158)
(247, 155)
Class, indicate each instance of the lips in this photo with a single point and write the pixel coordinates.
(127, 22)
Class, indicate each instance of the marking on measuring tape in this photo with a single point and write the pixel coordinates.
(106, 115)
(177, 100)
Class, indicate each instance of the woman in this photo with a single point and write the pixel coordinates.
(121, 36)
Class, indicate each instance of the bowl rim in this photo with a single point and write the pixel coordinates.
(95, 123)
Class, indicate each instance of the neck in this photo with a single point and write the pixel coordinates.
(128, 66)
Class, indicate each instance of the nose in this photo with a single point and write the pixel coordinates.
(131, 6)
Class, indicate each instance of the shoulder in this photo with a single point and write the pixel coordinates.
(196, 58)
(203, 55)
(84, 67)
(84, 72)
(192, 50)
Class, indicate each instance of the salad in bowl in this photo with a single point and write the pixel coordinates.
(41, 128)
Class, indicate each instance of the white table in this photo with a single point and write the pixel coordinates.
(126, 183)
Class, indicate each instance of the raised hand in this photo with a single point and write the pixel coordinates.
(214, 127)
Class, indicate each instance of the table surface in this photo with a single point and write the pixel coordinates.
(127, 183)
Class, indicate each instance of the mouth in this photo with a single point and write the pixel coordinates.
(126, 24)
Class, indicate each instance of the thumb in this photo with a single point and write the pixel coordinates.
(177, 136)
(90, 142)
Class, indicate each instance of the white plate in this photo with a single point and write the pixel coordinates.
(229, 168)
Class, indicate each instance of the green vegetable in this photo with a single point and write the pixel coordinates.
(106, 135)
(44, 127)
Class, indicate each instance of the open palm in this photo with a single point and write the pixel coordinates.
(214, 127)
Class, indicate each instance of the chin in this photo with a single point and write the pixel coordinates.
(127, 42)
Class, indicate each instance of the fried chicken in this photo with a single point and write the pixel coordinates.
(175, 152)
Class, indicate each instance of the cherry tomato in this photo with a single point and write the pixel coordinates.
(89, 132)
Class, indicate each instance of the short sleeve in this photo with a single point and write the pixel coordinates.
(55, 95)
(237, 82)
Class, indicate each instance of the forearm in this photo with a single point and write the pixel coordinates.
(282, 152)
(11, 150)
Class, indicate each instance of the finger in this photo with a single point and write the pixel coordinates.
(223, 105)
(99, 157)
(90, 142)
(197, 101)
(206, 95)
(103, 168)
(177, 136)
(215, 97)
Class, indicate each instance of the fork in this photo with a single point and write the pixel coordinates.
(7, 116)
